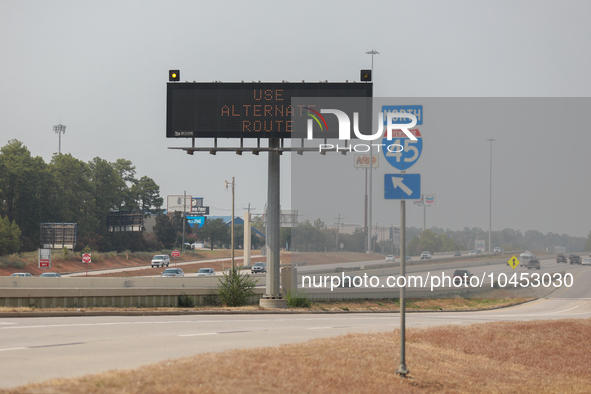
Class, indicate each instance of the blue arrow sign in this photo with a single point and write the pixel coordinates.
(402, 186)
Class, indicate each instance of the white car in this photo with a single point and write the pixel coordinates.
(472, 253)
(425, 255)
(160, 260)
(205, 272)
(586, 261)
(497, 250)
(389, 258)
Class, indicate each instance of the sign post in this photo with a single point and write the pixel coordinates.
(86, 259)
(401, 152)
(175, 254)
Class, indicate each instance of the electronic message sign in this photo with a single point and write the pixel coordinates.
(245, 110)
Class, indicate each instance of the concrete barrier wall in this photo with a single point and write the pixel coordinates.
(68, 292)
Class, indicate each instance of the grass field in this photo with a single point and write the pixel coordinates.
(503, 357)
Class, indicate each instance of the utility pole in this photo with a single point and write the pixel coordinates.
(338, 228)
(184, 217)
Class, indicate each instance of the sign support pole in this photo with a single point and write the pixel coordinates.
(273, 297)
(402, 371)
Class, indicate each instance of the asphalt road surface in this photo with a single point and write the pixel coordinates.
(38, 349)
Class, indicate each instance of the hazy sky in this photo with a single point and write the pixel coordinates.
(101, 69)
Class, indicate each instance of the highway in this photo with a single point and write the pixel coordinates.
(37, 349)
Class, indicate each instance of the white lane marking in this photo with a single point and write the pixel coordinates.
(13, 348)
(566, 310)
(319, 328)
(194, 335)
(6, 323)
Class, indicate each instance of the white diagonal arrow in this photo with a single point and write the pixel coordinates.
(397, 182)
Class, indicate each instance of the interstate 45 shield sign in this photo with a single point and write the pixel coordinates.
(402, 152)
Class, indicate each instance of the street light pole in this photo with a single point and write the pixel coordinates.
(491, 140)
(60, 129)
(369, 239)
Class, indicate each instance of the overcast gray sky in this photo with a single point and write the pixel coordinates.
(101, 69)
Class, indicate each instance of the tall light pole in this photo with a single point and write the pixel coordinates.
(60, 129)
(491, 140)
(369, 239)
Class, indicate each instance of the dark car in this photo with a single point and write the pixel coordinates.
(461, 276)
(575, 259)
(560, 258)
(534, 264)
(457, 254)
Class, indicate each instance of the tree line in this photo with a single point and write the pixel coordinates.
(68, 190)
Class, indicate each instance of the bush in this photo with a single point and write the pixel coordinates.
(234, 289)
(186, 301)
(298, 300)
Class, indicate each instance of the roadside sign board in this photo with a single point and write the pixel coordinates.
(44, 258)
(416, 110)
(402, 186)
(175, 253)
(402, 152)
(430, 199)
(200, 211)
(362, 161)
(86, 258)
(513, 262)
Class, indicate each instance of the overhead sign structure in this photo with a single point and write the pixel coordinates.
(402, 186)
(244, 110)
(402, 152)
(362, 161)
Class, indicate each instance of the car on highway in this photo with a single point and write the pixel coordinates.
(497, 250)
(258, 268)
(560, 258)
(160, 260)
(461, 276)
(533, 264)
(173, 272)
(205, 272)
(574, 259)
(390, 258)
(586, 261)
(347, 281)
(21, 274)
(479, 252)
(425, 255)
(457, 254)
(50, 275)
(472, 253)
(408, 258)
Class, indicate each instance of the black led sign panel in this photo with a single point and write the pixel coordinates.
(244, 110)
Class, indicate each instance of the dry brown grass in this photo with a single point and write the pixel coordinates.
(503, 357)
(442, 304)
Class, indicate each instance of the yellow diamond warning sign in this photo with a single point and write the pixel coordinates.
(513, 262)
